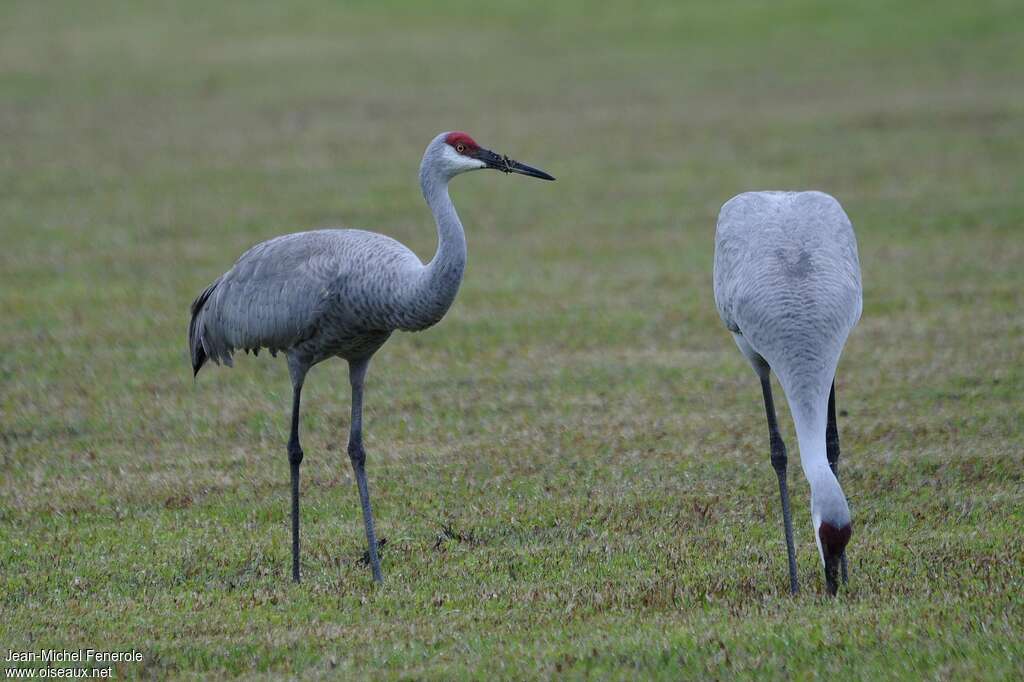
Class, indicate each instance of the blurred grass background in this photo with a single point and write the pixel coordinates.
(571, 470)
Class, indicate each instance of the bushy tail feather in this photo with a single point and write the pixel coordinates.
(195, 330)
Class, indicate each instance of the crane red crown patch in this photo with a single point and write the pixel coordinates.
(459, 137)
(833, 539)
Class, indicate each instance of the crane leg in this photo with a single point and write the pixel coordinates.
(357, 372)
(295, 459)
(832, 452)
(779, 461)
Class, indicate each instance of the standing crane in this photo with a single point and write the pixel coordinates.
(787, 285)
(341, 293)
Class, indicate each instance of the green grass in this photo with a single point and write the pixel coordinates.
(580, 421)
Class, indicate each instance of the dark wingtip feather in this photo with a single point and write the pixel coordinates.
(195, 340)
(198, 361)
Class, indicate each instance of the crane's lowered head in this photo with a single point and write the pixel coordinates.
(456, 152)
(832, 528)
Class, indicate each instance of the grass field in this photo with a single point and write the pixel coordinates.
(571, 470)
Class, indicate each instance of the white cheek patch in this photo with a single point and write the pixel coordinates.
(457, 161)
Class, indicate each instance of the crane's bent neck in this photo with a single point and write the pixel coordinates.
(828, 503)
(440, 279)
(809, 419)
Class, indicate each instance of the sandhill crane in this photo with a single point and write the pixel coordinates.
(341, 293)
(787, 285)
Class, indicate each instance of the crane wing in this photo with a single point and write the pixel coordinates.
(771, 247)
(272, 298)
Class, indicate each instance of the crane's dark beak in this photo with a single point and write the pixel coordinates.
(832, 574)
(507, 165)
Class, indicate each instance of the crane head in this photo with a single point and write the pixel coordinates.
(832, 541)
(830, 515)
(457, 152)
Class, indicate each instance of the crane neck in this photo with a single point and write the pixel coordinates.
(439, 282)
(828, 503)
(809, 420)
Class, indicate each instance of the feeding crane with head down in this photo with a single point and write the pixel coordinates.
(787, 285)
(341, 293)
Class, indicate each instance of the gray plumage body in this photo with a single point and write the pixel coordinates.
(318, 295)
(334, 292)
(787, 284)
(341, 293)
(787, 278)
